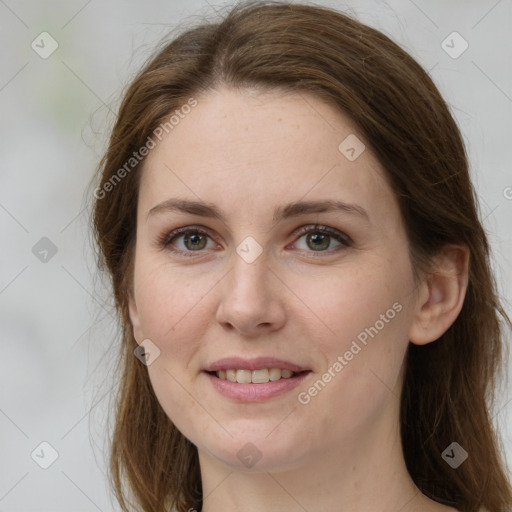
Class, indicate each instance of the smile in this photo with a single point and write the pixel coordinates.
(254, 380)
(249, 391)
(255, 376)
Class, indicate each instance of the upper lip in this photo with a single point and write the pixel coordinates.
(239, 363)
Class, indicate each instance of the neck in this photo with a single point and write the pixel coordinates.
(353, 476)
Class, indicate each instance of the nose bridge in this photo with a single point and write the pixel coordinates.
(249, 276)
(249, 299)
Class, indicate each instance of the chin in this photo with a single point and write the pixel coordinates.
(255, 453)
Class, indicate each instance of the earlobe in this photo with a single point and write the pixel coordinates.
(441, 295)
(134, 318)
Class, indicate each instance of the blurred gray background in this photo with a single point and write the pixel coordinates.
(56, 326)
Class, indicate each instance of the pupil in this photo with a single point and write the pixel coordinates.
(317, 240)
(195, 240)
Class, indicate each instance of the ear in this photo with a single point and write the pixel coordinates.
(441, 295)
(134, 318)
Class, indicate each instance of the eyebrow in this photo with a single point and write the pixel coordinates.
(280, 213)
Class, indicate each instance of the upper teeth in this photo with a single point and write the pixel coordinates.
(254, 376)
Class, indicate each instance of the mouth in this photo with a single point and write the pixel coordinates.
(260, 376)
(255, 380)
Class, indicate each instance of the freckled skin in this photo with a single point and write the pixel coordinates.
(248, 153)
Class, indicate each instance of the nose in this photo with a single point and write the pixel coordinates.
(251, 300)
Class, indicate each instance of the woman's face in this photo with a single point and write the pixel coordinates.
(291, 256)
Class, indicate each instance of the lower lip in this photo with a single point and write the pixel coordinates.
(255, 392)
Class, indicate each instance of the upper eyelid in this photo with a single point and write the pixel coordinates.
(321, 227)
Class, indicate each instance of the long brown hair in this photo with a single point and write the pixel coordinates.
(449, 384)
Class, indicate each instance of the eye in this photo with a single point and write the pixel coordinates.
(190, 239)
(186, 240)
(319, 239)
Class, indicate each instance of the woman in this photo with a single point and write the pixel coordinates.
(309, 317)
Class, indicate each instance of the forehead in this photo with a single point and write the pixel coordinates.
(245, 150)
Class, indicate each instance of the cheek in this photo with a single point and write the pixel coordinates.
(356, 299)
(366, 316)
(171, 302)
(172, 307)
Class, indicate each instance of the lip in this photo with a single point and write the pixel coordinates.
(239, 363)
(255, 392)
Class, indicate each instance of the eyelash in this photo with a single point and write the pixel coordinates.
(165, 241)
